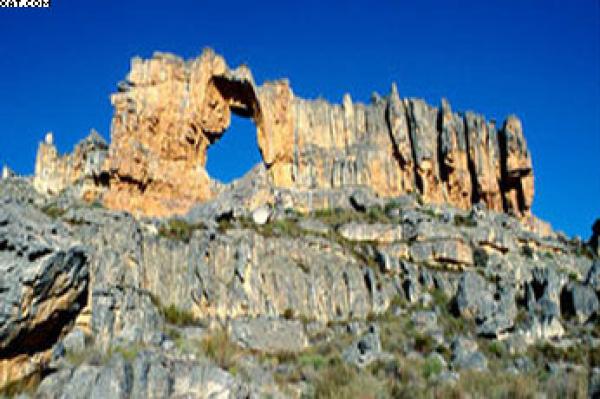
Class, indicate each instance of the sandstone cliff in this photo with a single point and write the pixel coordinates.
(169, 111)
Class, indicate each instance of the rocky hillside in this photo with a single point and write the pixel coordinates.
(381, 250)
(375, 298)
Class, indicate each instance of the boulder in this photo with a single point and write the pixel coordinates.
(149, 374)
(261, 215)
(424, 320)
(363, 200)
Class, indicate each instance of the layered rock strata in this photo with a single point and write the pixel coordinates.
(169, 111)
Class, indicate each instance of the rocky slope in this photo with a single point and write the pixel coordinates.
(379, 250)
(377, 298)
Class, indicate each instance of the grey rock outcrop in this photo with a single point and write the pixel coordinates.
(466, 356)
(269, 335)
(43, 287)
(365, 349)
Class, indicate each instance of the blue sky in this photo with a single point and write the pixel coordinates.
(539, 59)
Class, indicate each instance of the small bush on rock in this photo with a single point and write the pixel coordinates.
(218, 347)
(178, 229)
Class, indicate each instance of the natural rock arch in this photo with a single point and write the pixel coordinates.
(169, 111)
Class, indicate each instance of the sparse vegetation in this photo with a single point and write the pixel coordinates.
(218, 347)
(431, 367)
(376, 214)
(464, 221)
(335, 216)
(178, 229)
(177, 316)
(172, 313)
(53, 211)
(340, 380)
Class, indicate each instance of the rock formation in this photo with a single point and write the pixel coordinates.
(169, 111)
(421, 265)
(54, 173)
(223, 303)
(42, 290)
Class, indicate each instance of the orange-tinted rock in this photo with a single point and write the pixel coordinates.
(484, 154)
(170, 111)
(166, 115)
(517, 170)
(275, 130)
(399, 130)
(454, 162)
(424, 135)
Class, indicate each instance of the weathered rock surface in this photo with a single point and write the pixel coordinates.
(44, 286)
(465, 355)
(149, 375)
(296, 295)
(393, 234)
(366, 349)
(269, 335)
(54, 173)
(169, 111)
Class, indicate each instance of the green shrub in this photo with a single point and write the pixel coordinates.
(314, 360)
(431, 367)
(171, 313)
(288, 314)
(53, 210)
(376, 214)
(177, 316)
(497, 349)
(178, 229)
(424, 343)
(464, 221)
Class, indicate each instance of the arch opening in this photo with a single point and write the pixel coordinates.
(236, 152)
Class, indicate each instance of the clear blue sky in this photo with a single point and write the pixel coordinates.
(539, 59)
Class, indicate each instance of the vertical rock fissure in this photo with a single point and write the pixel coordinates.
(471, 164)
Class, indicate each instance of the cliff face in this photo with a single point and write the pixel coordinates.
(168, 112)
